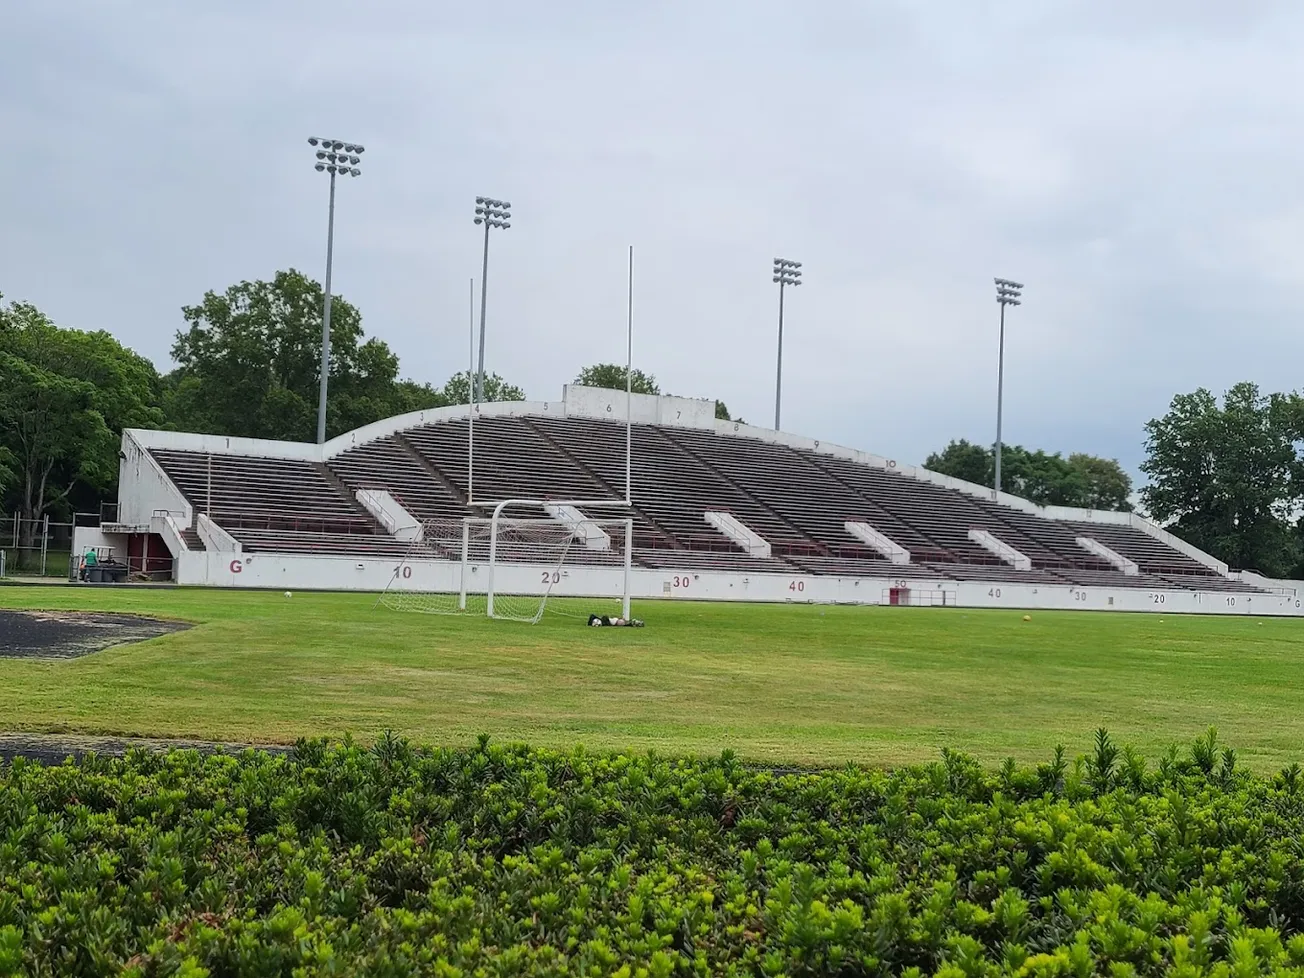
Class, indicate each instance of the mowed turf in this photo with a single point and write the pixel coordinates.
(780, 683)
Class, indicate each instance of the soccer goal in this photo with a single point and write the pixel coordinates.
(509, 567)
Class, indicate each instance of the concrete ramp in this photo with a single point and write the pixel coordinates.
(879, 540)
(994, 545)
(1093, 546)
(593, 536)
(739, 532)
(390, 513)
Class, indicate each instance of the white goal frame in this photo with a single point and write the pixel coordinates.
(501, 505)
(394, 597)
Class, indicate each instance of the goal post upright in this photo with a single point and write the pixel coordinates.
(466, 561)
(629, 556)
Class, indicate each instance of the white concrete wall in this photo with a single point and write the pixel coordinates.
(215, 538)
(87, 537)
(184, 441)
(143, 488)
(297, 572)
(166, 526)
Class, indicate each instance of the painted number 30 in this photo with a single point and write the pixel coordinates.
(681, 581)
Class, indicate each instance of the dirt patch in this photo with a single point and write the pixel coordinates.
(69, 634)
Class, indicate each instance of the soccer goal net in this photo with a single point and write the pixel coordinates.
(515, 568)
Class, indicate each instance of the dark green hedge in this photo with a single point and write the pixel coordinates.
(501, 860)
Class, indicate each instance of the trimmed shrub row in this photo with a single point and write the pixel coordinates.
(503, 860)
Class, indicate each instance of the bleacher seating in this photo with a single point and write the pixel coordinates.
(861, 567)
(689, 560)
(788, 485)
(670, 486)
(995, 572)
(1148, 553)
(1110, 578)
(798, 500)
(388, 464)
(308, 542)
(512, 460)
(1207, 582)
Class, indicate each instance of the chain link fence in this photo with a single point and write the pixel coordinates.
(35, 548)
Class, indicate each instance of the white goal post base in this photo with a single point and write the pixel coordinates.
(547, 545)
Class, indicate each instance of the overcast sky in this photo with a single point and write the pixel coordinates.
(1139, 165)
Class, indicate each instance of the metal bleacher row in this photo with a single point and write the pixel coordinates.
(798, 500)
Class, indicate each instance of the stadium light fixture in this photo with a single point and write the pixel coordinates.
(492, 214)
(786, 272)
(1008, 293)
(337, 158)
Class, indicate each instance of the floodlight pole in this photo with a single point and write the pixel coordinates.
(629, 383)
(785, 273)
(333, 157)
(326, 319)
(470, 398)
(492, 214)
(484, 292)
(1007, 294)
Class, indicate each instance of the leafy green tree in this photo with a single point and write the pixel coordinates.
(963, 460)
(458, 389)
(249, 364)
(612, 377)
(65, 396)
(1226, 478)
(722, 413)
(1105, 484)
(1045, 478)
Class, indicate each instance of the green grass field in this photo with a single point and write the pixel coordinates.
(780, 683)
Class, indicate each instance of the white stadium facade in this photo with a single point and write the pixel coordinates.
(720, 511)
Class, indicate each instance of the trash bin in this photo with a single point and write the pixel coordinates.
(116, 574)
(95, 575)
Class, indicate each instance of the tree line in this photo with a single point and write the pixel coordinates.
(1048, 479)
(1227, 477)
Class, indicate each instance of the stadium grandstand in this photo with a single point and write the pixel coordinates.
(719, 510)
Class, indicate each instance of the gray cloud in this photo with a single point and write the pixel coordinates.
(1135, 165)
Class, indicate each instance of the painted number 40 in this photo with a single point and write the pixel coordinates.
(796, 585)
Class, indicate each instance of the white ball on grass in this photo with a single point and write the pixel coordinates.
(288, 594)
